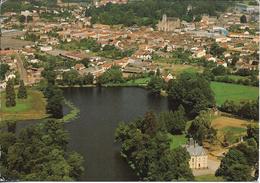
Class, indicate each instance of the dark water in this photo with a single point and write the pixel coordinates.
(92, 134)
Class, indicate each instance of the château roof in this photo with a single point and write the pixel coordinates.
(195, 149)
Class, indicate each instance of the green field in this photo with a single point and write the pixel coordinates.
(177, 140)
(235, 92)
(141, 81)
(233, 133)
(208, 178)
(31, 108)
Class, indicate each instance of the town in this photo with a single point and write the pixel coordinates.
(88, 49)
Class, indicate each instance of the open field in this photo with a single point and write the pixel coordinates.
(31, 108)
(232, 128)
(222, 122)
(8, 40)
(177, 140)
(180, 68)
(235, 92)
(142, 81)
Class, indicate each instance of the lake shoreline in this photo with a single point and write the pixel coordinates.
(105, 85)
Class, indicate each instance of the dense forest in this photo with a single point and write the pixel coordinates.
(148, 12)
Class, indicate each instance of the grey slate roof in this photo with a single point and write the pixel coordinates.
(195, 149)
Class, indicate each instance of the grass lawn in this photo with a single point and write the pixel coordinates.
(208, 178)
(233, 134)
(231, 127)
(31, 108)
(177, 140)
(235, 92)
(179, 68)
(141, 81)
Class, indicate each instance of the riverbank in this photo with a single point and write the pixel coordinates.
(73, 113)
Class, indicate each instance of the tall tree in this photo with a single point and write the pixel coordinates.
(201, 129)
(173, 122)
(22, 92)
(191, 91)
(54, 105)
(155, 84)
(239, 162)
(10, 94)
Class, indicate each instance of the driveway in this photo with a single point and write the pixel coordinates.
(212, 167)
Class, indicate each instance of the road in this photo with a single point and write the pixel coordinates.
(21, 69)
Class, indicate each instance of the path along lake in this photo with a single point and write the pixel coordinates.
(92, 133)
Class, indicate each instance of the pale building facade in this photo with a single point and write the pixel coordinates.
(199, 156)
(168, 24)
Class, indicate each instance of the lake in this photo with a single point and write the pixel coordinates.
(92, 134)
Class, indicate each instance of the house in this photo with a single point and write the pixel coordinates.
(168, 77)
(199, 156)
(199, 53)
(46, 48)
(224, 64)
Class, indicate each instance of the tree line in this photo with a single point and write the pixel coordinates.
(146, 147)
(143, 13)
(38, 153)
(52, 93)
(244, 109)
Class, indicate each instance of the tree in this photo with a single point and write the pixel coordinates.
(88, 79)
(219, 70)
(155, 84)
(243, 19)
(253, 132)
(192, 91)
(147, 150)
(233, 156)
(54, 101)
(39, 153)
(234, 60)
(149, 124)
(54, 106)
(238, 172)
(11, 126)
(201, 129)
(10, 94)
(239, 162)
(174, 122)
(4, 69)
(216, 50)
(22, 93)
(112, 75)
(49, 74)
(71, 77)
(75, 161)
